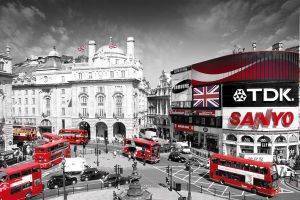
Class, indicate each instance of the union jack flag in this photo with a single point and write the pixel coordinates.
(206, 96)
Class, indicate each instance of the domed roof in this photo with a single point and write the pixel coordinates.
(110, 49)
(53, 52)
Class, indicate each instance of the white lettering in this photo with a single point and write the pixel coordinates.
(254, 93)
(269, 90)
(283, 93)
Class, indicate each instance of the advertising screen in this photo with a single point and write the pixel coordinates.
(261, 118)
(260, 95)
(181, 88)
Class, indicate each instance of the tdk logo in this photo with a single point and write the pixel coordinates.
(268, 94)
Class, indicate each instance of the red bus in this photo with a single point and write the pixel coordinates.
(21, 181)
(49, 137)
(21, 134)
(52, 153)
(75, 136)
(151, 149)
(255, 176)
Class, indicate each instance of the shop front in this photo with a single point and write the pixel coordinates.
(183, 132)
(207, 138)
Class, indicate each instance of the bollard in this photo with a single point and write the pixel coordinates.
(87, 187)
(43, 195)
(229, 195)
(201, 189)
(215, 191)
(57, 191)
(244, 197)
(73, 189)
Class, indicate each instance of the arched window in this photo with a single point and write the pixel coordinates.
(231, 137)
(293, 138)
(1, 66)
(280, 139)
(83, 100)
(246, 138)
(264, 139)
(47, 106)
(100, 100)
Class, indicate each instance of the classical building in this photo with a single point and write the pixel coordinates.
(105, 91)
(159, 106)
(6, 77)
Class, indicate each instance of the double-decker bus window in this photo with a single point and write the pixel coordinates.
(15, 189)
(34, 170)
(13, 176)
(215, 160)
(27, 185)
(260, 183)
(37, 181)
(26, 172)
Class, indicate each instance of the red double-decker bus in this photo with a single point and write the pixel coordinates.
(21, 181)
(255, 176)
(75, 136)
(21, 134)
(49, 137)
(147, 150)
(52, 153)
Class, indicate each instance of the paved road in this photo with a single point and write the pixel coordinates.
(200, 178)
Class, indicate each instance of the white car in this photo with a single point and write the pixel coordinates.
(185, 149)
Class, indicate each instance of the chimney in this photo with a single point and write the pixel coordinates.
(92, 50)
(7, 48)
(130, 47)
(254, 46)
(277, 47)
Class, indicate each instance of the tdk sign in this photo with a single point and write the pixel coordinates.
(269, 94)
(260, 95)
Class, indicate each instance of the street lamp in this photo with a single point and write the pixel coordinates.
(189, 197)
(97, 153)
(64, 178)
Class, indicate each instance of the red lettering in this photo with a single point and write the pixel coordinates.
(235, 118)
(260, 118)
(276, 118)
(287, 119)
(248, 120)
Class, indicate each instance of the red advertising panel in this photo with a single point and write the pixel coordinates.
(250, 66)
(184, 127)
(261, 118)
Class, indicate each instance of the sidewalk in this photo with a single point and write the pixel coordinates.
(158, 194)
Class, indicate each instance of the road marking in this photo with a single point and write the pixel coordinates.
(201, 177)
(243, 193)
(210, 185)
(224, 190)
(178, 171)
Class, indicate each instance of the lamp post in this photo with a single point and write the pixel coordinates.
(64, 178)
(97, 152)
(105, 137)
(189, 197)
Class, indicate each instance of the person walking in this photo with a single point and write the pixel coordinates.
(115, 153)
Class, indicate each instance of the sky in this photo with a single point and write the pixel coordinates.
(168, 33)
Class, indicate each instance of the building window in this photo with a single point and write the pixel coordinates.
(20, 101)
(84, 112)
(63, 111)
(100, 100)
(1, 66)
(33, 101)
(63, 91)
(62, 78)
(111, 74)
(20, 111)
(33, 92)
(26, 101)
(26, 111)
(100, 89)
(83, 100)
(26, 92)
(48, 106)
(123, 74)
(13, 92)
(119, 101)
(13, 101)
(80, 75)
(90, 75)
(33, 111)
(63, 101)
(45, 79)
(84, 89)
(13, 111)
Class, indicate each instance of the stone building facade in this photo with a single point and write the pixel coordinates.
(6, 77)
(159, 105)
(105, 91)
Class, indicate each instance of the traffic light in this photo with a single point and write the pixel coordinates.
(177, 187)
(168, 169)
(187, 166)
(167, 181)
(116, 169)
(120, 170)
